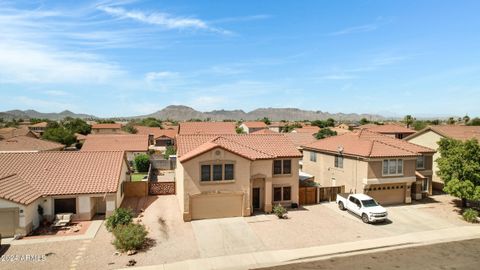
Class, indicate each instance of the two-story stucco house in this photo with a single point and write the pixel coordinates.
(390, 170)
(234, 175)
(430, 136)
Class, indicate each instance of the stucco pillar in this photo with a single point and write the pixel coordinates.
(408, 192)
(268, 195)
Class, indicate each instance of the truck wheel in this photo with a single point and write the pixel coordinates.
(365, 218)
(341, 206)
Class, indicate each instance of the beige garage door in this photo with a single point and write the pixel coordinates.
(8, 222)
(388, 193)
(216, 206)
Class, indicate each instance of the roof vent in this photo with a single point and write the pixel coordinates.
(340, 149)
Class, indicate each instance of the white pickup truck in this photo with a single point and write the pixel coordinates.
(363, 206)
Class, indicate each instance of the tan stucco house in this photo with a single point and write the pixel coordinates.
(82, 183)
(253, 126)
(430, 136)
(234, 175)
(390, 170)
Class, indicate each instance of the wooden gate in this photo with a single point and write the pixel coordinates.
(161, 188)
(307, 195)
(330, 193)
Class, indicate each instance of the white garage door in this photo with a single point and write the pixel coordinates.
(216, 206)
(8, 222)
(388, 193)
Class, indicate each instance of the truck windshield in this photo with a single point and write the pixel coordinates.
(369, 203)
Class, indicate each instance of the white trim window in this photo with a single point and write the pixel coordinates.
(313, 156)
(421, 162)
(339, 162)
(392, 167)
(217, 172)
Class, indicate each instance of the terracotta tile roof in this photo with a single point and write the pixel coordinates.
(7, 133)
(15, 189)
(157, 132)
(308, 129)
(255, 124)
(59, 173)
(454, 132)
(250, 146)
(299, 139)
(41, 124)
(109, 126)
(28, 144)
(116, 142)
(339, 131)
(80, 137)
(277, 124)
(207, 128)
(387, 128)
(264, 131)
(364, 143)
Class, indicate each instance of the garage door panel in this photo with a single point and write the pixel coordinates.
(216, 206)
(388, 193)
(8, 221)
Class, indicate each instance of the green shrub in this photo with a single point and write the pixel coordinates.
(279, 211)
(120, 216)
(129, 237)
(142, 162)
(470, 215)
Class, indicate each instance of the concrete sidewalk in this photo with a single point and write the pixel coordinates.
(276, 257)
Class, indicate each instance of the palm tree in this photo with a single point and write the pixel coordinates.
(408, 120)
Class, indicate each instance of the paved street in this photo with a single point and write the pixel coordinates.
(453, 255)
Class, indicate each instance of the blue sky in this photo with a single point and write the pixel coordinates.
(135, 57)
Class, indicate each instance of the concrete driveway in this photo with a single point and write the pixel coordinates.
(227, 236)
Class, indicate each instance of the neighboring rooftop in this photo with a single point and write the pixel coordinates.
(109, 126)
(116, 142)
(41, 125)
(452, 131)
(368, 144)
(255, 124)
(156, 132)
(28, 144)
(207, 128)
(250, 146)
(299, 139)
(264, 131)
(387, 128)
(25, 177)
(307, 129)
(10, 132)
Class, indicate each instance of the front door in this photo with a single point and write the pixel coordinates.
(256, 198)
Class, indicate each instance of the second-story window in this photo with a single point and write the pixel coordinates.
(217, 172)
(338, 161)
(313, 156)
(421, 162)
(393, 167)
(282, 166)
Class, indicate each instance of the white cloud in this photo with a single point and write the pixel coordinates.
(152, 76)
(162, 19)
(356, 29)
(57, 93)
(23, 62)
(42, 105)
